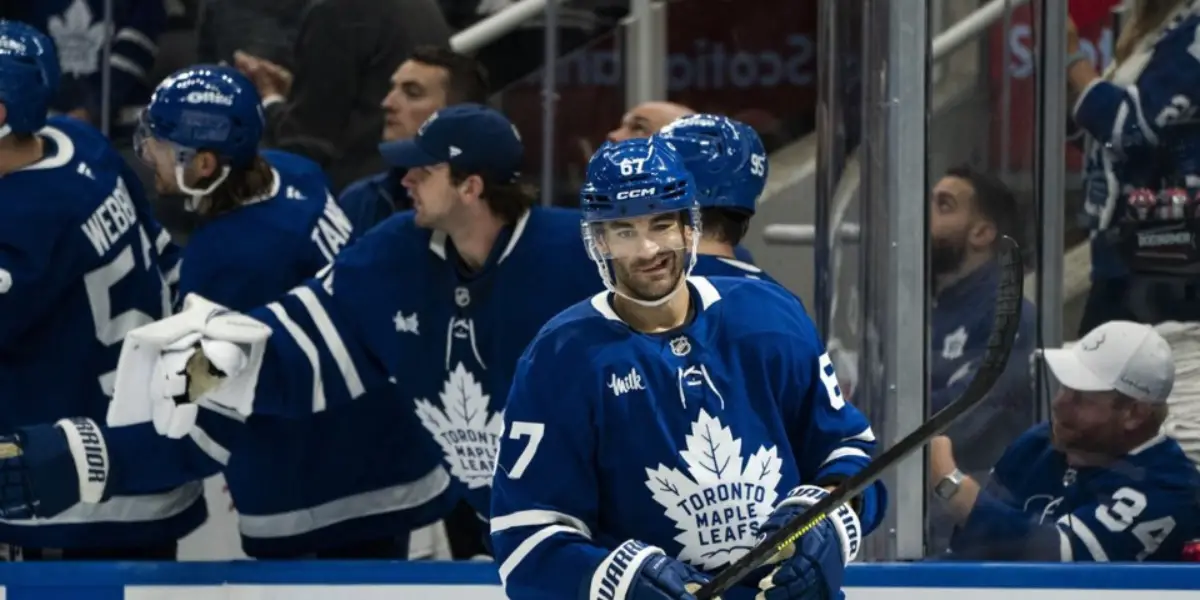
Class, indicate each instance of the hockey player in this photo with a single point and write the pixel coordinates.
(728, 163)
(1100, 482)
(703, 413)
(269, 223)
(82, 262)
(443, 299)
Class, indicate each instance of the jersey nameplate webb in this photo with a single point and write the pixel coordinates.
(106, 229)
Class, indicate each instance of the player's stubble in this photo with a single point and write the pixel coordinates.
(650, 279)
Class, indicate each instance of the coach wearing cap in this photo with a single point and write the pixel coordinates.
(1099, 482)
(460, 151)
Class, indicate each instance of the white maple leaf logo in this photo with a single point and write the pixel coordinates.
(467, 433)
(719, 503)
(78, 39)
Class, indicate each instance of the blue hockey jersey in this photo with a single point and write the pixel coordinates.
(397, 303)
(1036, 507)
(299, 485)
(961, 323)
(77, 28)
(82, 262)
(1142, 129)
(370, 200)
(708, 265)
(684, 440)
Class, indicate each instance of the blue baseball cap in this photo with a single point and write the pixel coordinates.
(470, 137)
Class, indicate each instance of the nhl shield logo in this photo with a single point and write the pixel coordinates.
(680, 346)
(462, 296)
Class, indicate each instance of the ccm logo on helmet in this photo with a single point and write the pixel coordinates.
(631, 194)
(209, 98)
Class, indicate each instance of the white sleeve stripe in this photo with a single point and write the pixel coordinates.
(1065, 552)
(1085, 535)
(529, 518)
(160, 243)
(528, 545)
(843, 453)
(1138, 111)
(209, 446)
(129, 34)
(172, 276)
(120, 62)
(310, 351)
(866, 435)
(333, 340)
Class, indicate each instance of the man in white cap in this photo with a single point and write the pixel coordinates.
(1099, 482)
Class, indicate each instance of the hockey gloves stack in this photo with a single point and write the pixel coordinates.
(815, 566)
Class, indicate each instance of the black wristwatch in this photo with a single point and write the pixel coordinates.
(948, 486)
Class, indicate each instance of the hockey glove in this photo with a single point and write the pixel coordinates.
(815, 566)
(205, 356)
(636, 571)
(47, 469)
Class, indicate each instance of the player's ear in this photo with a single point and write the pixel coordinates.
(471, 186)
(205, 164)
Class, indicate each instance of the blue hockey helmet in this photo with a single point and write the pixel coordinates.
(627, 182)
(207, 107)
(202, 108)
(634, 178)
(725, 157)
(29, 76)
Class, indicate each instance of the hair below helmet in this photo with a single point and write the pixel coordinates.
(207, 107)
(725, 157)
(635, 177)
(29, 75)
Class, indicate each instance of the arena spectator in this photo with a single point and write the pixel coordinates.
(344, 54)
(1100, 482)
(263, 28)
(431, 79)
(1137, 138)
(77, 28)
(646, 118)
(969, 211)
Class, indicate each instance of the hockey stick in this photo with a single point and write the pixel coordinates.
(1000, 342)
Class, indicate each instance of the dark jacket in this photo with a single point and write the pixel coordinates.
(345, 54)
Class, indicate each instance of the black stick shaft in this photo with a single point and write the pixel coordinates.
(1010, 294)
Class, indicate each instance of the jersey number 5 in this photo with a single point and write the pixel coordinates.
(110, 328)
(1127, 506)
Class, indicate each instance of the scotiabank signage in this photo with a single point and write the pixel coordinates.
(1093, 18)
(755, 61)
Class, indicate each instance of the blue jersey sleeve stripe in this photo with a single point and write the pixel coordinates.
(332, 339)
(530, 543)
(307, 347)
(536, 518)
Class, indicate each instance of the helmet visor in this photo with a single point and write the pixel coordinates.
(642, 236)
